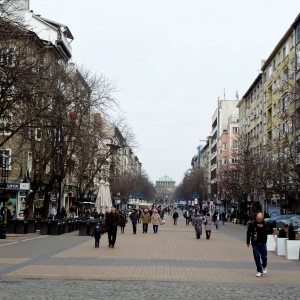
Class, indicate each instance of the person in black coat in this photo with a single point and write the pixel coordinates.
(134, 217)
(257, 233)
(97, 235)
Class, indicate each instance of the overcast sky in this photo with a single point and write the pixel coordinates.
(171, 60)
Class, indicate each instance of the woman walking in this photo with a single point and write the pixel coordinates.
(198, 226)
(123, 221)
(156, 220)
(208, 224)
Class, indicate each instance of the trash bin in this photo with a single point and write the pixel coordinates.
(76, 225)
(55, 227)
(38, 221)
(2, 231)
(31, 225)
(83, 228)
(70, 226)
(64, 227)
(20, 226)
(45, 228)
(11, 226)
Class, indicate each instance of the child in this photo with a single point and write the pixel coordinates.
(97, 235)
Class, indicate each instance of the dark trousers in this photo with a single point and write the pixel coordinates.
(208, 233)
(97, 240)
(145, 227)
(134, 227)
(155, 228)
(187, 221)
(112, 235)
(260, 254)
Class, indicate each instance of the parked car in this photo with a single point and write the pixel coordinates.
(280, 221)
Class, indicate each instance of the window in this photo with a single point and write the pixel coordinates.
(270, 71)
(292, 40)
(260, 127)
(285, 102)
(235, 129)
(1, 7)
(278, 57)
(269, 134)
(38, 134)
(224, 161)
(297, 34)
(284, 52)
(234, 160)
(274, 64)
(6, 57)
(5, 125)
(265, 118)
(234, 144)
(285, 126)
(5, 155)
(224, 146)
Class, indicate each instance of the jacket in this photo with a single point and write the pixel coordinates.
(175, 215)
(116, 220)
(134, 217)
(145, 218)
(97, 233)
(155, 219)
(208, 223)
(258, 235)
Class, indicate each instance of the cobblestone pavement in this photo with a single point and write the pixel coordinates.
(170, 264)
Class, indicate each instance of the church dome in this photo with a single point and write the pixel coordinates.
(165, 178)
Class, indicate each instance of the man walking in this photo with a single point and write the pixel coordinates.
(216, 218)
(257, 232)
(134, 217)
(112, 222)
(175, 217)
(145, 219)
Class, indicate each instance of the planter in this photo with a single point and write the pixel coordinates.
(271, 242)
(280, 248)
(292, 248)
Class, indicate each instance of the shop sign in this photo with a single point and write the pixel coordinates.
(16, 186)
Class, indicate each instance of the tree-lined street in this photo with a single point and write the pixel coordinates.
(172, 263)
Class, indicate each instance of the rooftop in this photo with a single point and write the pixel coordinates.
(165, 178)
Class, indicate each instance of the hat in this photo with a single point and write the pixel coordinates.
(98, 224)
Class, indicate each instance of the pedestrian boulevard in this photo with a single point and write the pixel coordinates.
(172, 255)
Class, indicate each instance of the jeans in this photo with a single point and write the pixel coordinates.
(97, 240)
(175, 221)
(112, 235)
(223, 221)
(217, 223)
(134, 227)
(260, 253)
(145, 227)
(155, 228)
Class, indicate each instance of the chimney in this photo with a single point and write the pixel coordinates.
(263, 62)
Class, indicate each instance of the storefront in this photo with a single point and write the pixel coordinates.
(16, 204)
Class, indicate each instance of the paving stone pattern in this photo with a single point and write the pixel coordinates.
(170, 265)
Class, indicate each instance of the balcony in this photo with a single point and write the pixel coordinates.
(64, 46)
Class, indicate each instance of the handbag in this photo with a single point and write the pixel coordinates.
(163, 221)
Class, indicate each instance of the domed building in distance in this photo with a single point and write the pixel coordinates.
(165, 188)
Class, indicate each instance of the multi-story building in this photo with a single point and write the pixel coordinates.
(205, 160)
(251, 114)
(165, 187)
(219, 123)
